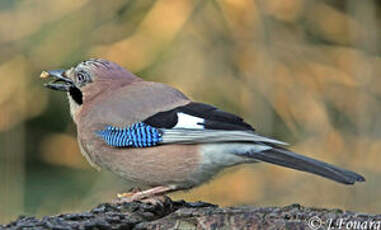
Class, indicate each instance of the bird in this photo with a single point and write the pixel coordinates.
(152, 134)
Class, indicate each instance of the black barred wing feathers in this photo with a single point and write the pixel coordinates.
(198, 115)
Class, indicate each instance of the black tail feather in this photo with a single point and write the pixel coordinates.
(286, 158)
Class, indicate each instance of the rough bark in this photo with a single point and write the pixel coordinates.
(182, 215)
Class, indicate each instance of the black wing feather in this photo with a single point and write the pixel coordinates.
(165, 120)
(214, 118)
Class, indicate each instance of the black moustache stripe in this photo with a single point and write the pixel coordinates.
(76, 94)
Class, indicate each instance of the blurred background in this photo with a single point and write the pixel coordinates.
(307, 72)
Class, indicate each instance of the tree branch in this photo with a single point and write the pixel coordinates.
(183, 215)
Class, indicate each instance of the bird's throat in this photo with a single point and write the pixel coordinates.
(75, 107)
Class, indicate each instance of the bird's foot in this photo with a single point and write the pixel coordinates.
(156, 200)
(153, 195)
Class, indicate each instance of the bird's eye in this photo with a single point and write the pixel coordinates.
(81, 77)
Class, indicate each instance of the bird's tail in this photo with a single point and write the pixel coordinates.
(283, 157)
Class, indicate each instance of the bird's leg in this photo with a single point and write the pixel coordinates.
(130, 192)
(156, 191)
(149, 193)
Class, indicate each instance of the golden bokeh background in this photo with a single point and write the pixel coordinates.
(307, 72)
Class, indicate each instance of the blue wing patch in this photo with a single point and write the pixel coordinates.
(137, 135)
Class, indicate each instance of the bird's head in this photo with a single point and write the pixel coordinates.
(87, 80)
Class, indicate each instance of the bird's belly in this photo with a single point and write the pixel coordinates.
(152, 166)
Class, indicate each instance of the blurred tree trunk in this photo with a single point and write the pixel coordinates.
(12, 173)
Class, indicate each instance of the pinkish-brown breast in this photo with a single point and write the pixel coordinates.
(153, 166)
(159, 165)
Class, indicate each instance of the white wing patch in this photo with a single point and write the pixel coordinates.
(186, 121)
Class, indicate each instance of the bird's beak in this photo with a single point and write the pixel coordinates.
(61, 82)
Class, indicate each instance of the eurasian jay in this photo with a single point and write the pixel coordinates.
(153, 134)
